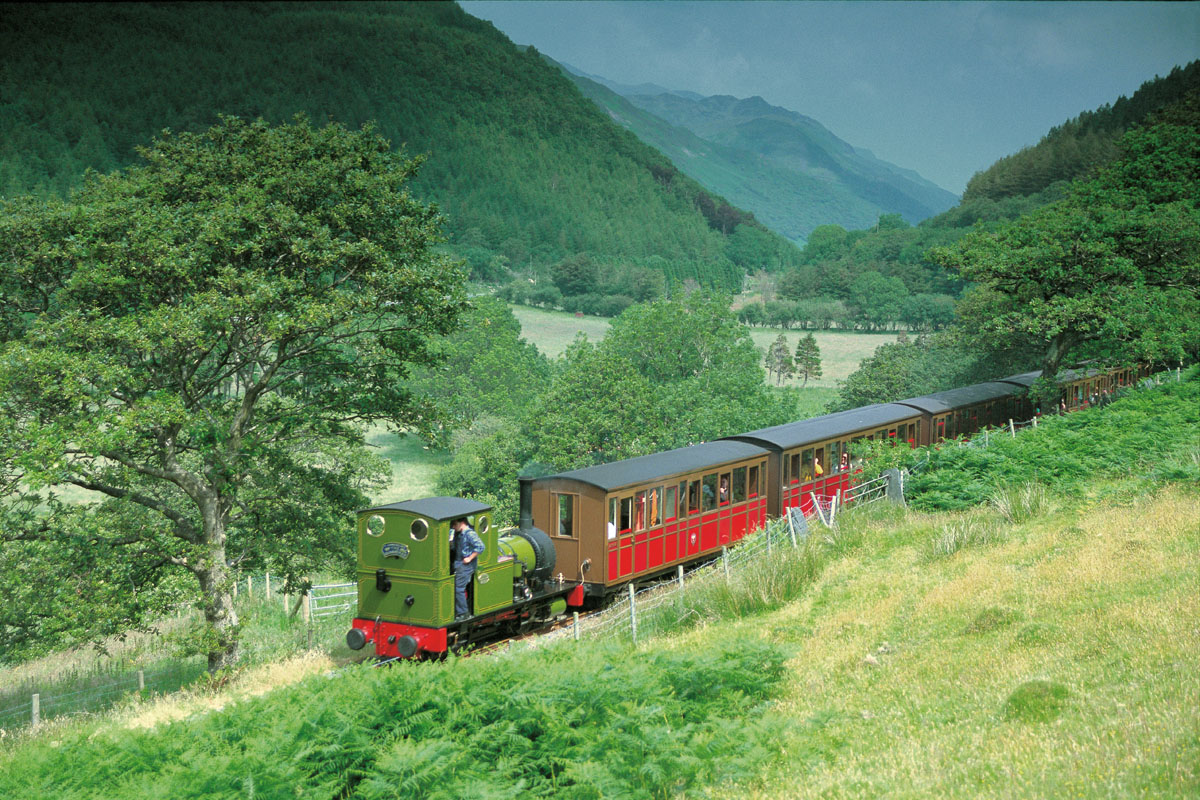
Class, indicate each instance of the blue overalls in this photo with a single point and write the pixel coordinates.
(465, 543)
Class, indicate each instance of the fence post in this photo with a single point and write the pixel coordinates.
(1012, 428)
(268, 592)
(725, 561)
(1035, 422)
(632, 613)
(679, 573)
(250, 587)
(767, 533)
(235, 587)
(37, 710)
(575, 614)
(306, 606)
(141, 681)
(285, 610)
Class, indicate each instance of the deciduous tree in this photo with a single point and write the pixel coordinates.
(199, 338)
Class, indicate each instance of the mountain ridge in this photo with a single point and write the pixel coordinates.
(785, 167)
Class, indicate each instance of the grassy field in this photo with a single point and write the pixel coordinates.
(1058, 661)
(414, 465)
(841, 351)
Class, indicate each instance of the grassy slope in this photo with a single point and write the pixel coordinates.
(1100, 599)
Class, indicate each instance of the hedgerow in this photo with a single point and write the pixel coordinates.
(584, 721)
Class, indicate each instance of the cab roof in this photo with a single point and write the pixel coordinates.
(435, 508)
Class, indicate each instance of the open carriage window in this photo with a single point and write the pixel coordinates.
(806, 465)
(654, 509)
(739, 485)
(670, 506)
(694, 497)
(612, 518)
(752, 488)
(626, 514)
(708, 492)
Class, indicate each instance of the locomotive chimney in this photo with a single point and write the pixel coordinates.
(525, 521)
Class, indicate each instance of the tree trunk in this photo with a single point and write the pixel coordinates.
(216, 590)
(1057, 350)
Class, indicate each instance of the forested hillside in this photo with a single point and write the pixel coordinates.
(787, 168)
(1082, 144)
(527, 170)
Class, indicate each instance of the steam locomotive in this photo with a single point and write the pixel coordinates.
(585, 534)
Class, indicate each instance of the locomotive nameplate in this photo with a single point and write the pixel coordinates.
(395, 550)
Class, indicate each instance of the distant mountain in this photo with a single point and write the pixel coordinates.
(520, 163)
(786, 168)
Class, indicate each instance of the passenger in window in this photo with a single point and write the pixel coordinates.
(723, 492)
(845, 465)
(818, 470)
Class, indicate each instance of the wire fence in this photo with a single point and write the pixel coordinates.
(34, 701)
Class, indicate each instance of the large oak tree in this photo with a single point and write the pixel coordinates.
(198, 340)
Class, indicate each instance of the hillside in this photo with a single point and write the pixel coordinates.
(1081, 144)
(521, 164)
(786, 168)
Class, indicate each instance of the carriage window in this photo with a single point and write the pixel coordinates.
(683, 498)
(694, 497)
(655, 511)
(806, 465)
(639, 511)
(671, 505)
(566, 514)
(794, 472)
(819, 462)
(835, 457)
(708, 492)
(723, 490)
(739, 484)
(626, 514)
(612, 518)
(901, 433)
(917, 433)
(753, 487)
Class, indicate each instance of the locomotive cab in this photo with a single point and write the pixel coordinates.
(406, 577)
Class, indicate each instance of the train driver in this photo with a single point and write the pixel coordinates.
(467, 547)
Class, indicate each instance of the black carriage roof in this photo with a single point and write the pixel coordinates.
(659, 466)
(1024, 379)
(1068, 375)
(828, 426)
(435, 508)
(950, 399)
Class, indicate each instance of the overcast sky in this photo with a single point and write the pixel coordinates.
(942, 88)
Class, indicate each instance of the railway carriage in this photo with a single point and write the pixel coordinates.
(962, 412)
(613, 523)
(812, 457)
